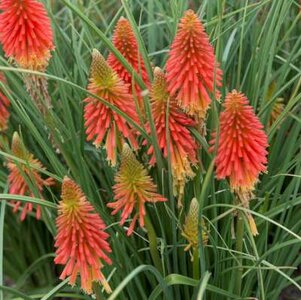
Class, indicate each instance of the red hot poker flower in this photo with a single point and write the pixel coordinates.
(191, 67)
(183, 147)
(100, 120)
(241, 149)
(125, 41)
(18, 171)
(25, 33)
(81, 240)
(132, 190)
(4, 104)
(242, 144)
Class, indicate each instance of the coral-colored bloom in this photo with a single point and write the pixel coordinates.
(241, 150)
(191, 67)
(101, 120)
(125, 41)
(25, 33)
(132, 189)
(4, 104)
(81, 240)
(242, 144)
(21, 174)
(183, 147)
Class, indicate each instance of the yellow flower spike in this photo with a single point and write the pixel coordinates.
(18, 149)
(102, 73)
(277, 107)
(191, 226)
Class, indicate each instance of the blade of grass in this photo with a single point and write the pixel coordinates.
(28, 199)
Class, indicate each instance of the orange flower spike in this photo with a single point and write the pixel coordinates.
(241, 151)
(102, 122)
(25, 33)
(81, 241)
(191, 67)
(183, 147)
(17, 183)
(4, 104)
(125, 41)
(132, 190)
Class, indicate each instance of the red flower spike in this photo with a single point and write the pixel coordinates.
(18, 185)
(183, 147)
(132, 190)
(191, 67)
(101, 121)
(4, 104)
(81, 240)
(25, 33)
(242, 144)
(241, 149)
(125, 41)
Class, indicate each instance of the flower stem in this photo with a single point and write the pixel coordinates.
(239, 247)
(196, 264)
(152, 237)
(96, 290)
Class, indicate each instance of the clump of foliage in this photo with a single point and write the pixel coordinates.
(150, 149)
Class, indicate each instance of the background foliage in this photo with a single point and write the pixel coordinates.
(258, 44)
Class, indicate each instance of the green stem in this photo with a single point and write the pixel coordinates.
(152, 237)
(96, 289)
(196, 264)
(2, 215)
(239, 248)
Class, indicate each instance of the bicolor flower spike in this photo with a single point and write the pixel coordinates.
(4, 104)
(101, 121)
(24, 175)
(125, 41)
(81, 241)
(182, 145)
(25, 33)
(241, 150)
(192, 71)
(133, 188)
